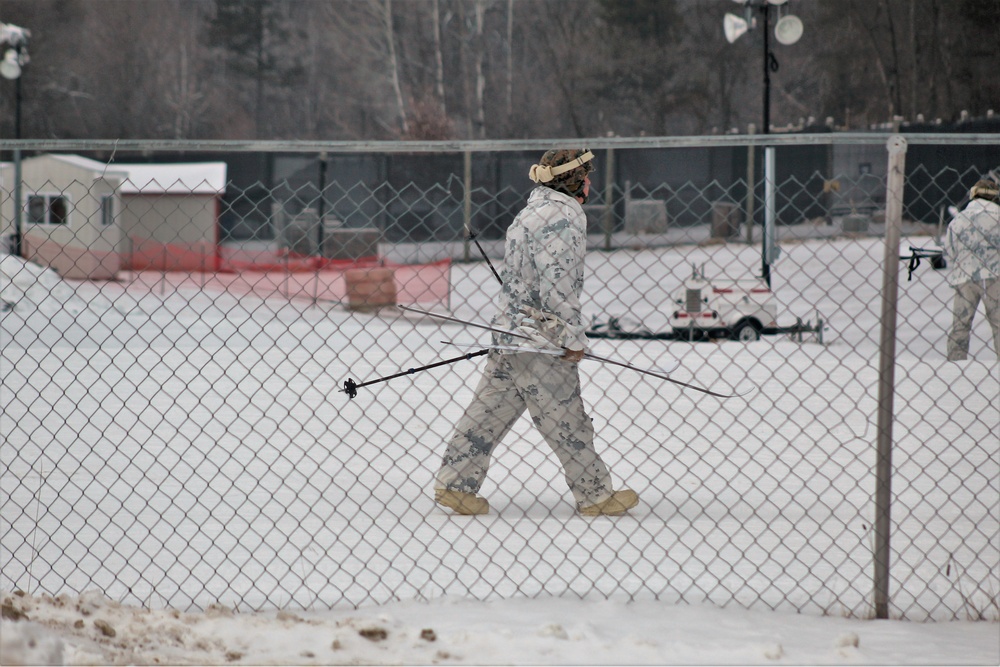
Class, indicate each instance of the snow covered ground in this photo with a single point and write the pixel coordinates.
(179, 448)
(91, 630)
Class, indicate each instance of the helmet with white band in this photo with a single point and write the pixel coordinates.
(564, 170)
(985, 189)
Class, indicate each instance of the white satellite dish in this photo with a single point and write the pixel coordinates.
(788, 30)
(9, 67)
(777, 2)
(734, 26)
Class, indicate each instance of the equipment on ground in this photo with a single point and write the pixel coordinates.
(935, 255)
(742, 310)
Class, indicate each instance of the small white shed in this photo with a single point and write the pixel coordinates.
(67, 214)
(88, 219)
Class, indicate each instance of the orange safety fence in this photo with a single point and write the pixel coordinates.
(148, 254)
(415, 283)
(265, 273)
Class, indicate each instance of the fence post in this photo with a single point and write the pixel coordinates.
(769, 247)
(607, 217)
(321, 204)
(887, 366)
(19, 242)
(751, 185)
(467, 206)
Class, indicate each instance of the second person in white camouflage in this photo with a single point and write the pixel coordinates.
(973, 250)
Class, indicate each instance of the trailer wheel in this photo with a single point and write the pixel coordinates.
(745, 331)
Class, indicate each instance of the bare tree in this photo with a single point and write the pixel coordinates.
(722, 80)
(468, 32)
(638, 47)
(256, 39)
(390, 41)
(476, 68)
(175, 56)
(478, 55)
(877, 19)
(438, 57)
(373, 89)
(510, 58)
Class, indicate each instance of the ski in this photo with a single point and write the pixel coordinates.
(588, 355)
(674, 364)
(658, 371)
(508, 348)
(478, 325)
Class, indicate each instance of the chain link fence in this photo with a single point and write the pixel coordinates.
(174, 345)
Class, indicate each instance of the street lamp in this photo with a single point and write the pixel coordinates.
(15, 57)
(787, 30)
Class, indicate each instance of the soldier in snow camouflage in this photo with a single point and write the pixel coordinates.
(542, 282)
(973, 248)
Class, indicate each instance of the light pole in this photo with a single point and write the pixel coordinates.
(787, 30)
(15, 57)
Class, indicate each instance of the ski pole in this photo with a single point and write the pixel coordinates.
(351, 387)
(473, 235)
(588, 355)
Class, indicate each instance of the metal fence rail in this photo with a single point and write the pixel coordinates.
(173, 433)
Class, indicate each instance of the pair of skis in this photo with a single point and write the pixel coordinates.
(351, 387)
(662, 373)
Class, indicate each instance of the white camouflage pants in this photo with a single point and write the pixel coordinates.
(550, 390)
(967, 298)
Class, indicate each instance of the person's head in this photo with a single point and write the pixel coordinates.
(565, 170)
(985, 189)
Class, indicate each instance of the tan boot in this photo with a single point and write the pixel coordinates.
(617, 504)
(462, 502)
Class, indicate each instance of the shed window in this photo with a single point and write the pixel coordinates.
(47, 209)
(107, 210)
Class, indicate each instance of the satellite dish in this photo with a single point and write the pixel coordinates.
(788, 30)
(777, 2)
(9, 67)
(734, 26)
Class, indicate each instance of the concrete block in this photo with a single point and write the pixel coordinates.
(343, 243)
(646, 216)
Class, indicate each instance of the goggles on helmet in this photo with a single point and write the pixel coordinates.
(543, 173)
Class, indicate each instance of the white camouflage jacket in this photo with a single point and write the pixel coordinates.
(543, 272)
(973, 243)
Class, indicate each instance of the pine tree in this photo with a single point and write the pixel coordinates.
(254, 36)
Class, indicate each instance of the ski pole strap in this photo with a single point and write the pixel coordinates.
(916, 254)
(914, 263)
(351, 387)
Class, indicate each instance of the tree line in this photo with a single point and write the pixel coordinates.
(486, 69)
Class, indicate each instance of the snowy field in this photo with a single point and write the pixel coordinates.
(188, 449)
(91, 630)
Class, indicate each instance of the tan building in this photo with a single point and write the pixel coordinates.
(86, 219)
(68, 213)
(170, 216)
